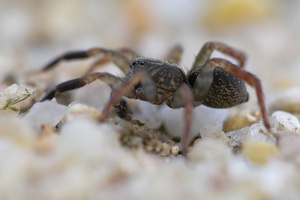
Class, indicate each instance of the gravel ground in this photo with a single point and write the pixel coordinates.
(59, 150)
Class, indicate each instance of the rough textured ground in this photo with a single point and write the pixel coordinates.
(59, 150)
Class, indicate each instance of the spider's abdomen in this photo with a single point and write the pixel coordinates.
(226, 90)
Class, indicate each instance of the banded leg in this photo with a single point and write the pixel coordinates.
(250, 79)
(113, 81)
(121, 61)
(208, 48)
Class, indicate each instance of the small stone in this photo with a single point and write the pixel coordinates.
(45, 113)
(214, 131)
(12, 95)
(175, 150)
(284, 121)
(210, 150)
(78, 110)
(149, 148)
(240, 120)
(158, 147)
(174, 120)
(165, 149)
(259, 152)
(145, 113)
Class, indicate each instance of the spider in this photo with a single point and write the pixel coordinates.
(214, 82)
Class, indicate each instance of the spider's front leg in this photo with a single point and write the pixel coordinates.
(111, 80)
(120, 58)
(183, 97)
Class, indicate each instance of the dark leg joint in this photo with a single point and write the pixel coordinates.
(121, 110)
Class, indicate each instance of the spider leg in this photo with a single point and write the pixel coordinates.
(250, 79)
(208, 48)
(127, 89)
(174, 55)
(129, 54)
(188, 104)
(144, 89)
(113, 81)
(183, 97)
(109, 55)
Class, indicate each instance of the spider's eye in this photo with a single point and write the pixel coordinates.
(142, 63)
(132, 64)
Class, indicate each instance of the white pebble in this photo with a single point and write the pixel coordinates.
(12, 95)
(284, 121)
(174, 119)
(148, 114)
(48, 112)
(87, 140)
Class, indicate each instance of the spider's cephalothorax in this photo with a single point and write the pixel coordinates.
(213, 82)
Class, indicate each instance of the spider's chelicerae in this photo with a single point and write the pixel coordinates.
(213, 82)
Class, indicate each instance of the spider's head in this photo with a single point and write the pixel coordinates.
(140, 61)
(144, 62)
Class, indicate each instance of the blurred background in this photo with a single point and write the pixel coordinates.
(32, 32)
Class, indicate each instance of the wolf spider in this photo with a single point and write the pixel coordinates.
(214, 82)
